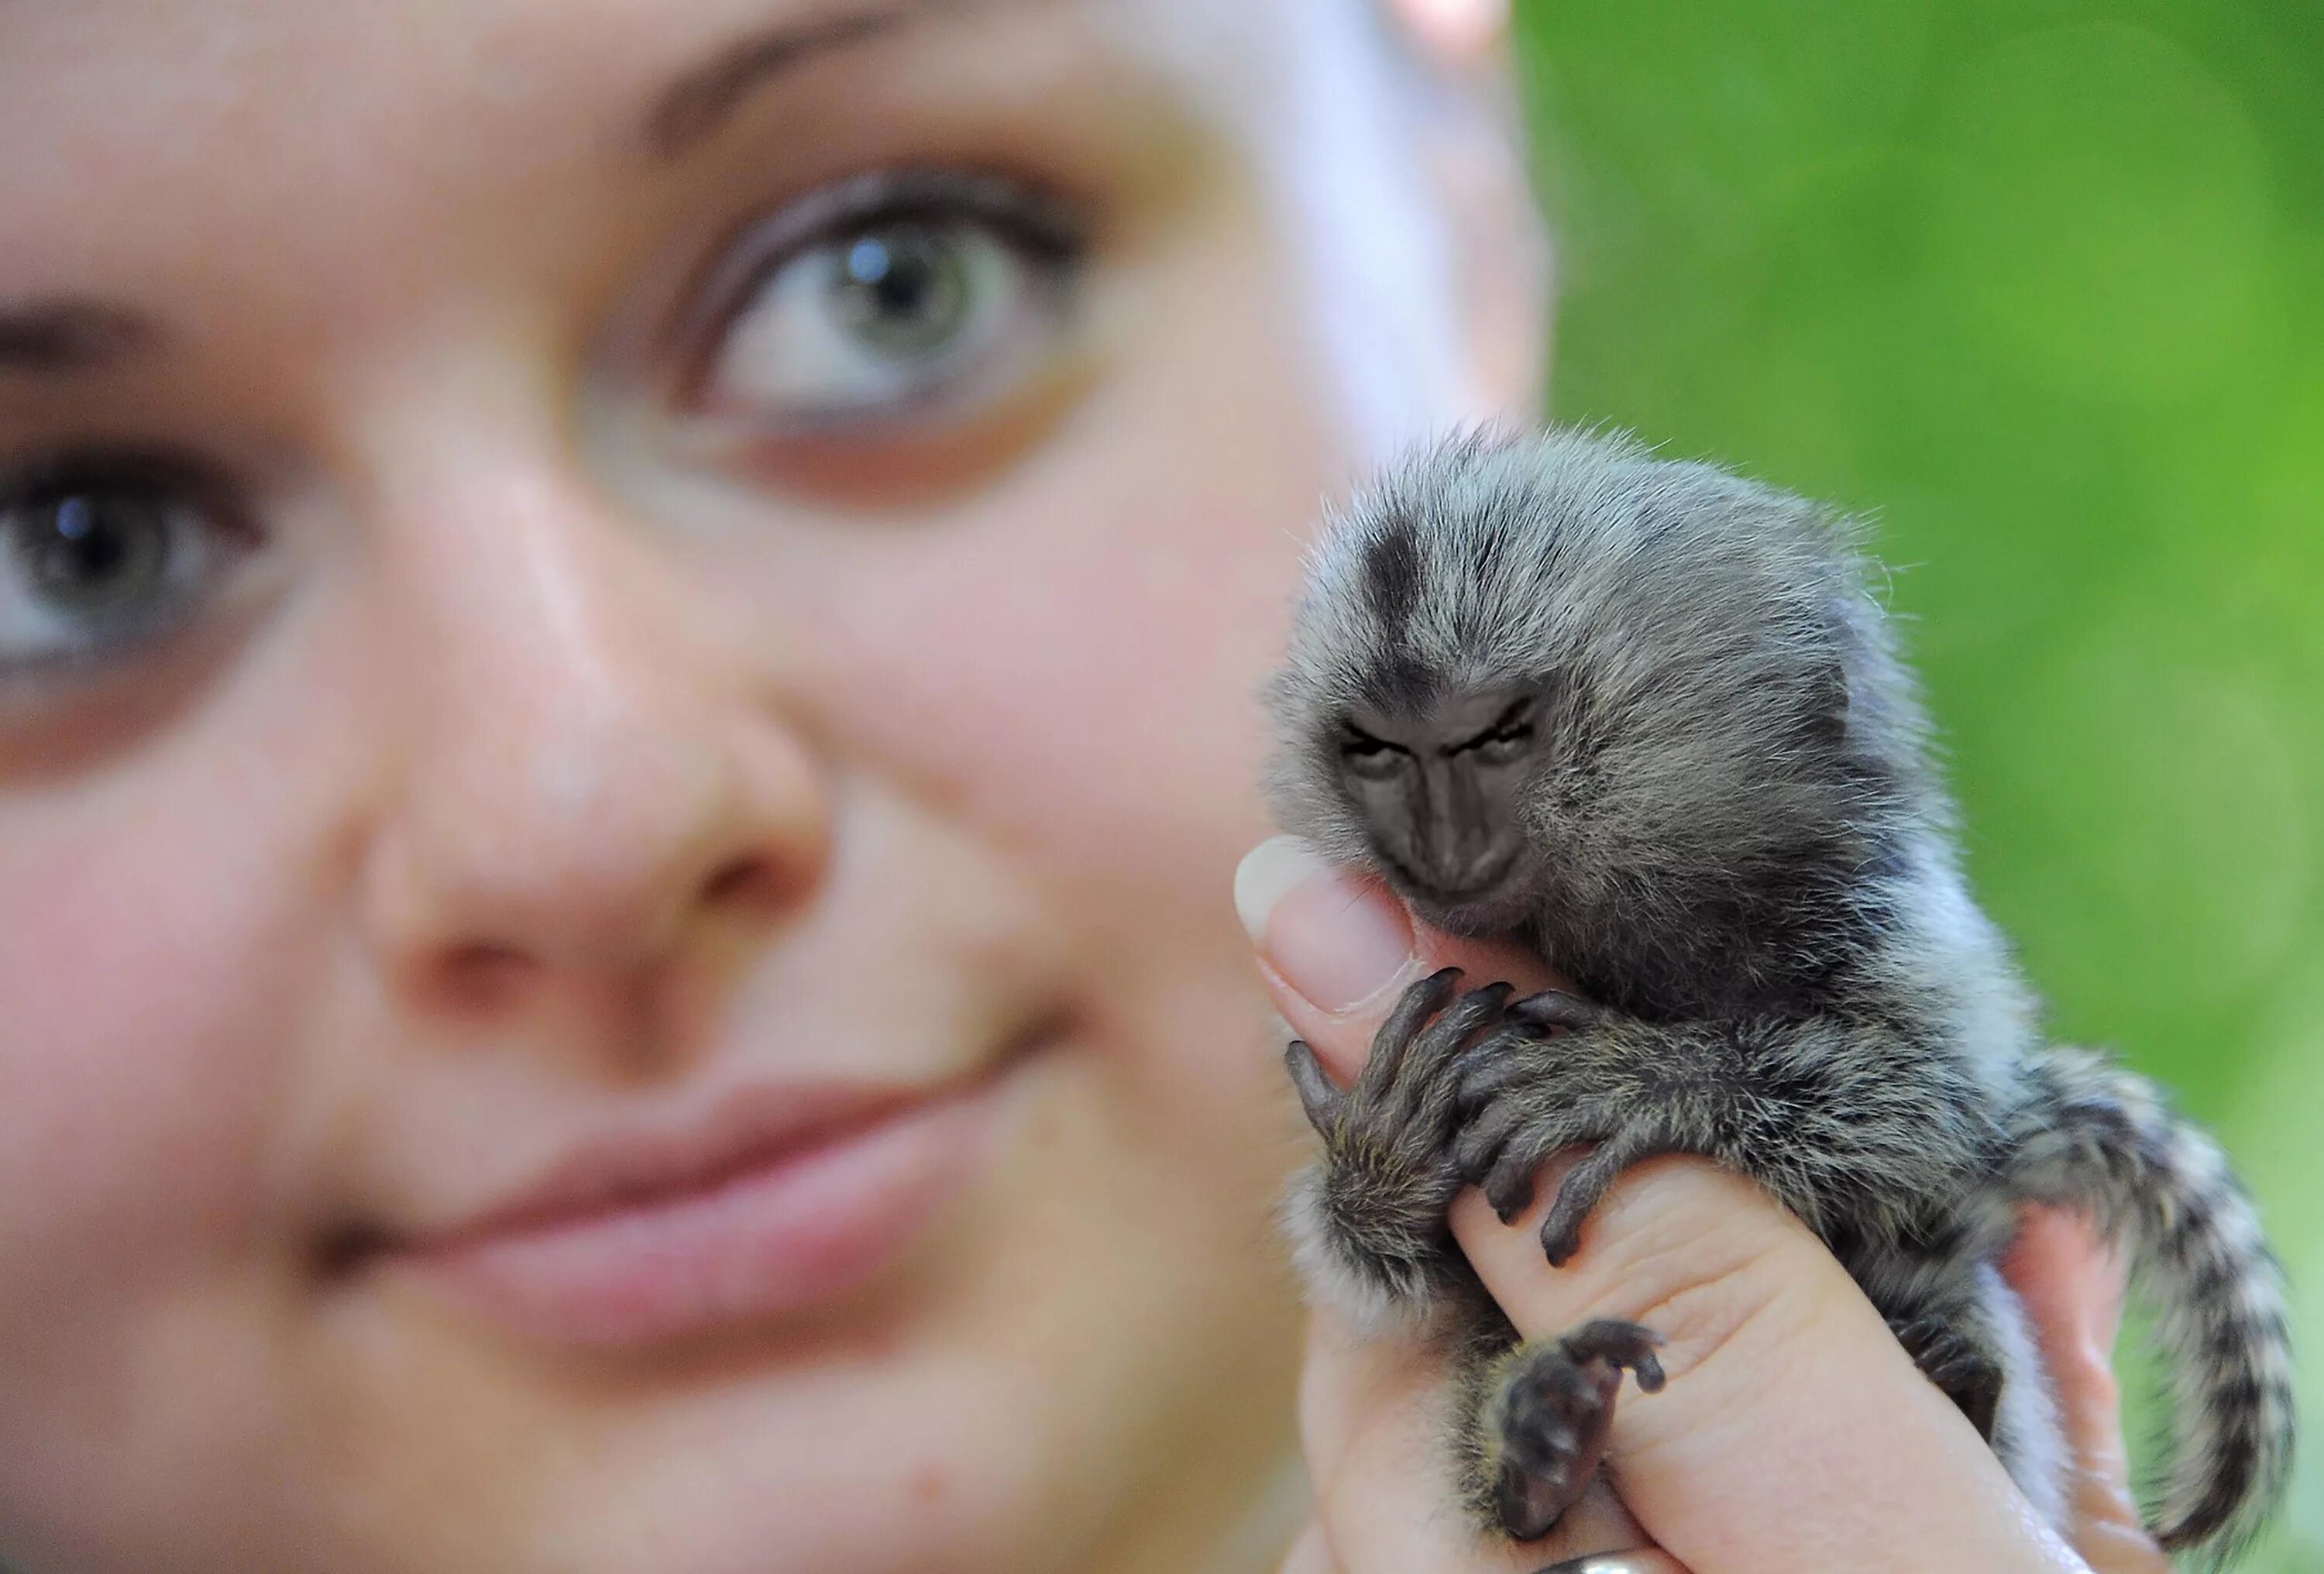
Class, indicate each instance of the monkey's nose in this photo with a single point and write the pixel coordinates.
(1464, 853)
(1466, 837)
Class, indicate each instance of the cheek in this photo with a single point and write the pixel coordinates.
(142, 969)
(1079, 663)
(1113, 722)
(1075, 674)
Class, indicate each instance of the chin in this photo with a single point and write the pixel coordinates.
(1505, 910)
(890, 1476)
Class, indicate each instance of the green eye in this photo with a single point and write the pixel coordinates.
(894, 297)
(905, 289)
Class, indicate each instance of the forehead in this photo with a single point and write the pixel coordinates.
(1441, 711)
(266, 173)
(242, 63)
(277, 112)
(215, 159)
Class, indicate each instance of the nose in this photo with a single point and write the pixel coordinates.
(1465, 829)
(584, 782)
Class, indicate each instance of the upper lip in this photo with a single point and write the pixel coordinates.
(747, 1129)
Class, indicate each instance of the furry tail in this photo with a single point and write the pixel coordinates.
(2093, 1133)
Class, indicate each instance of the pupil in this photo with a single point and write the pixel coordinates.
(904, 289)
(90, 551)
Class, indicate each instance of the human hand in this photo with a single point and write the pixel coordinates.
(1795, 1433)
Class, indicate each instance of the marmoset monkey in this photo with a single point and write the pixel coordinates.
(1648, 717)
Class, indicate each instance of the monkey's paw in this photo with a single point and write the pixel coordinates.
(1548, 1414)
(1389, 1174)
(1561, 1072)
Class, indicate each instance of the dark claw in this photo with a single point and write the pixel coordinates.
(1421, 1001)
(1585, 1186)
(1479, 1147)
(1555, 1009)
(1582, 1189)
(1509, 1187)
(1619, 1344)
(1317, 1095)
(1487, 1068)
(1560, 1238)
(1472, 1014)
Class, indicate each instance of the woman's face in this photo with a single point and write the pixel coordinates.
(627, 636)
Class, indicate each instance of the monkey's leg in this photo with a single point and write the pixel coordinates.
(1968, 1332)
(1369, 1220)
(1535, 1421)
(1968, 1373)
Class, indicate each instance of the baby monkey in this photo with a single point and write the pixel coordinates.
(1648, 717)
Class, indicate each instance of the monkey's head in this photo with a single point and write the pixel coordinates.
(1549, 684)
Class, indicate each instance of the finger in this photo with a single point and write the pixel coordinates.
(1373, 1420)
(1347, 1379)
(1317, 1097)
(1794, 1432)
(1337, 949)
(2072, 1287)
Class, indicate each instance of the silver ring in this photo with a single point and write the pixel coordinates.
(1645, 1561)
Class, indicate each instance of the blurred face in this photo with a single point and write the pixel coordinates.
(627, 638)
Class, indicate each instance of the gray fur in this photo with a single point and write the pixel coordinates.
(1734, 842)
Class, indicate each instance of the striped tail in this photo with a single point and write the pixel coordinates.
(2092, 1134)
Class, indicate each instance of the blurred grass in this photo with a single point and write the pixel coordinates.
(2036, 282)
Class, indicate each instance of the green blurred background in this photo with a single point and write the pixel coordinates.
(2040, 286)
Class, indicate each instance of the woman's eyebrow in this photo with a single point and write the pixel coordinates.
(53, 338)
(703, 98)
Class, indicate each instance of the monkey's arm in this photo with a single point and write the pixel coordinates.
(1367, 1221)
(1850, 1123)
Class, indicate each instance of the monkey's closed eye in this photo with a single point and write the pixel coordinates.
(1373, 756)
(1510, 736)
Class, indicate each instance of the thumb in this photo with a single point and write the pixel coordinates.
(1336, 948)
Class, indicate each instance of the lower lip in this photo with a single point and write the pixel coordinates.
(804, 1228)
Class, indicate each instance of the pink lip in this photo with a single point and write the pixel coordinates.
(767, 1209)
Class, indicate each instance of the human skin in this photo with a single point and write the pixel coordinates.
(1794, 1432)
(562, 746)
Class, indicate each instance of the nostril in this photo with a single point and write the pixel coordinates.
(749, 884)
(481, 974)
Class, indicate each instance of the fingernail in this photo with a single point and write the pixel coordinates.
(1645, 1561)
(1337, 938)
